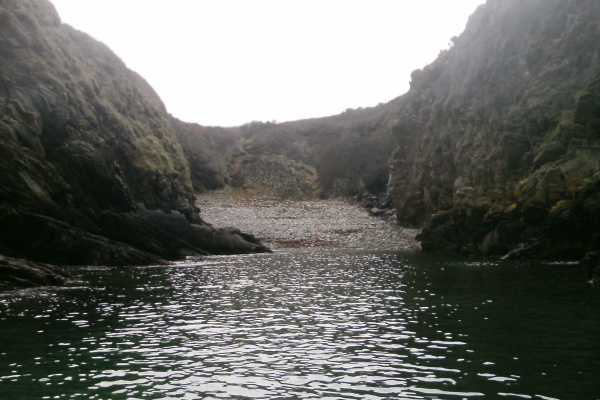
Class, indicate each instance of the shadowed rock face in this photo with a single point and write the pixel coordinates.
(86, 145)
(499, 138)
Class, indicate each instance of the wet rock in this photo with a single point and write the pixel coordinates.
(139, 233)
(205, 237)
(148, 238)
(38, 237)
(17, 274)
(378, 206)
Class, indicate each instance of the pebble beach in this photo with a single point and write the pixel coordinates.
(295, 224)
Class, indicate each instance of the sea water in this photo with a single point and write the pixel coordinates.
(307, 325)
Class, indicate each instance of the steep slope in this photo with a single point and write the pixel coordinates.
(90, 166)
(339, 155)
(499, 138)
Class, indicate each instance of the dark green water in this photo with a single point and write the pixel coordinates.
(307, 326)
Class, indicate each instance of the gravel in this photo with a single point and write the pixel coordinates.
(285, 224)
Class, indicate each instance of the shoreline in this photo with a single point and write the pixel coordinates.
(283, 224)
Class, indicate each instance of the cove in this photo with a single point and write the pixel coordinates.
(307, 325)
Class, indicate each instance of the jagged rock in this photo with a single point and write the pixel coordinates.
(42, 238)
(216, 241)
(145, 238)
(378, 206)
(549, 152)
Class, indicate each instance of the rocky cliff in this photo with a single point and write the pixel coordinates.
(496, 144)
(89, 155)
(499, 138)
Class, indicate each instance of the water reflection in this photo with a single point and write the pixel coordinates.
(306, 326)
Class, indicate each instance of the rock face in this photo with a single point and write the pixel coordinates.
(86, 145)
(499, 138)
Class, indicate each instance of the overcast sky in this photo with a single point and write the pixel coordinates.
(228, 62)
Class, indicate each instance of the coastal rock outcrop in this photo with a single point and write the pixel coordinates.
(22, 274)
(86, 145)
(499, 138)
(497, 146)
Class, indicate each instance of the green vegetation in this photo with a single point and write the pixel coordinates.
(210, 152)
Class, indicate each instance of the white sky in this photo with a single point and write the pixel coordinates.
(228, 62)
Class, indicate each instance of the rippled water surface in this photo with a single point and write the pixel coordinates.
(307, 326)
